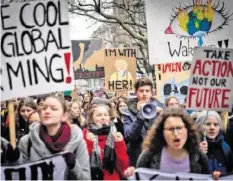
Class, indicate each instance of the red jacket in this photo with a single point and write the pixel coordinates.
(121, 156)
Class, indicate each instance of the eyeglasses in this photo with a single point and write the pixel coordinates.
(178, 129)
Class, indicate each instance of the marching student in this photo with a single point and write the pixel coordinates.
(22, 111)
(53, 135)
(40, 102)
(135, 124)
(26, 107)
(106, 146)
(219, 153)
(172, 102)
(121, 105)
(75, 112)
(172, 145)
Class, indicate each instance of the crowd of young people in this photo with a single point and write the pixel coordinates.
(108, 138)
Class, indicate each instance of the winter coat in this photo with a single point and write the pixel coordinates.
(77, 145)
(135, 128)
(198, 161)
(220, 155)
(121, 163)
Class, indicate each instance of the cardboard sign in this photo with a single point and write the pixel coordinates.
(88, 57)
(35, 48)
(172, 79)
(152, 174)
(175, 27)
(120, 69)
(211, 80)
(52, 168)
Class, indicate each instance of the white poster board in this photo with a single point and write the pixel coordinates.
(175, 27)
(211, 80)
(35, 48)
(52, 168)
(152, 174)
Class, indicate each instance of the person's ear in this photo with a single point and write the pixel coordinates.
(64, 117)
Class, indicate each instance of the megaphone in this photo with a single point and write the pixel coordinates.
(149, 111)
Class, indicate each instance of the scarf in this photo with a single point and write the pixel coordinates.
(109, 152)
(57, 142)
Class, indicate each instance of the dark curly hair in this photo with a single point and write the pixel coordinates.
(155, 140)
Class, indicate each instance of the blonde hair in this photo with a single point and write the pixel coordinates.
(225, 120)
(169, 98)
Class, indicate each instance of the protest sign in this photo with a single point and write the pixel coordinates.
(88, 57)
(228, 176)
(52, 168)
(172, 79)
(175, 27)
(152, 174)
(35, 48)
(120, 69)
(211, 80)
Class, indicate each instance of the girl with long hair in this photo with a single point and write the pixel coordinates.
(53, 135)
(172, 145)
(75, 112)
(106, 146)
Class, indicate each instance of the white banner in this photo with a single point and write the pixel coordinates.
(175, 27)
(52, 168)
(35, 48)
(211, 80)
(151, 174)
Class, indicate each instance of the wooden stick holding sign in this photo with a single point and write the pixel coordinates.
(11, 114)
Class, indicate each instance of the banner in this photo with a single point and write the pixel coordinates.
(88, 57)
(120, 71)
(52, 168)
(35, 48)
(172, 79)
(211, 80)
(152, 174)
(175, 27)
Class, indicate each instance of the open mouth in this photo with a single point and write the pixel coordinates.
(177, 140)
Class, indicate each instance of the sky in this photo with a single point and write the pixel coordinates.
(81, 27)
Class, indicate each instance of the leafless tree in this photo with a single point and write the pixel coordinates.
(124, 18)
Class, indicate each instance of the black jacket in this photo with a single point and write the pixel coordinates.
(220, 156)
(198, 161)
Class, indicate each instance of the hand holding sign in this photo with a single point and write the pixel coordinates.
(204, 146)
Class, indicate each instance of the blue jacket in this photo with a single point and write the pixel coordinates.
(220, 155)
(135, 128)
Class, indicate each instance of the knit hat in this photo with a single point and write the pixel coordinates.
(205, 114)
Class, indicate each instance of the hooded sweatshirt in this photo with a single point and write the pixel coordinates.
(76, 145)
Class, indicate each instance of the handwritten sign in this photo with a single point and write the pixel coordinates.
(175, 27)
(211, 79)
(52, 168)
(35, 48)
(120, 69)
(151, 174)
(172, 79)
